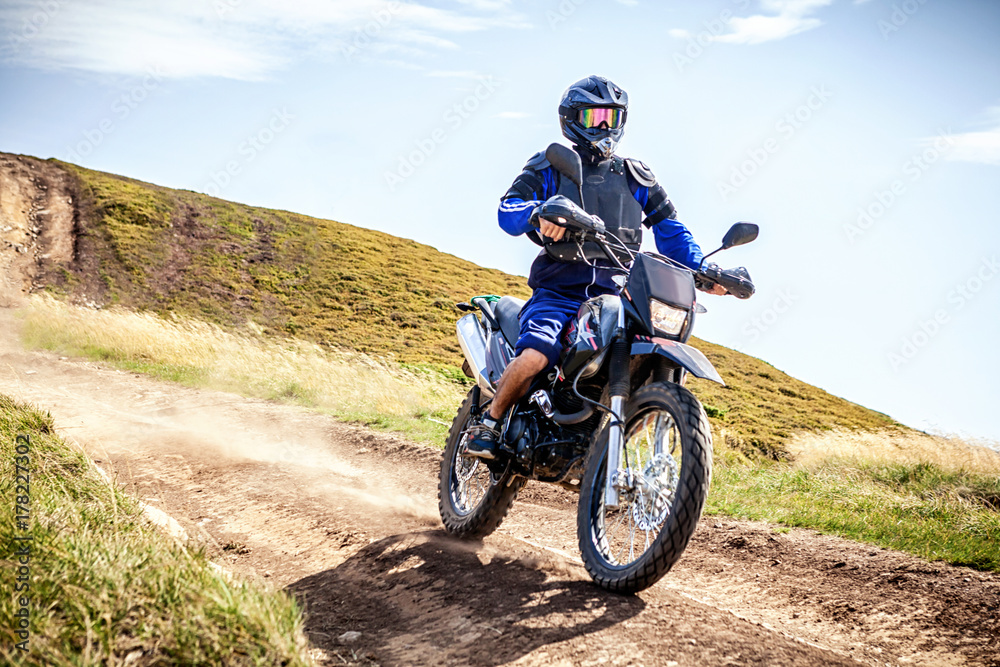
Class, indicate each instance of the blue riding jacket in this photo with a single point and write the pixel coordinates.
(578, 281)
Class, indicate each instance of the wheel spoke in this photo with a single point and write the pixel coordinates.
(621, 514)
(649, 450)
(470, 482)
(631, 538)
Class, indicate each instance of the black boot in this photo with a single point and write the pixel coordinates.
(484, 442)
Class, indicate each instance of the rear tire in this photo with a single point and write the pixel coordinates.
(473, 500)
(663, 518)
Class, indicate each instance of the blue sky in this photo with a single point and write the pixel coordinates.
(863, 137)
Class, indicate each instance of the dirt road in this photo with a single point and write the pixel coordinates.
(346, 518)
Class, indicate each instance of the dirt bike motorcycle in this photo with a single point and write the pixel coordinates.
(613, 422)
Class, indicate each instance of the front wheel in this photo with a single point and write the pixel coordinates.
(473, 500)
(667, 458)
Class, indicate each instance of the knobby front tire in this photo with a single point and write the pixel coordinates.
(669, 443)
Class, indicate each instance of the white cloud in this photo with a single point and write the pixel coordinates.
(106, 38)
(791, 17)
(760, 29)
(678, 33)
(237, 39)
(421, 39)
(486, 4)
(402, 64)
(982, 146)
(797, 7)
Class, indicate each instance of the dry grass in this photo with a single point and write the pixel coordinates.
(813, 449)
(351, 385)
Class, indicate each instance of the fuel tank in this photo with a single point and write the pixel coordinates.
(589, 335)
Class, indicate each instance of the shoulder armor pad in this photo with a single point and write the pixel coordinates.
(640, 172)
(537, 162)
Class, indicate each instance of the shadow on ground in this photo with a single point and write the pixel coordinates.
(424, 598)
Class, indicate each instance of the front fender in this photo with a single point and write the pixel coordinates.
(689, 358)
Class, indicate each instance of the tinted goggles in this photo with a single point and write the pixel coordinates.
(610, 117)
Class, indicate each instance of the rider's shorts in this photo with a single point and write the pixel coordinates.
(542, 322)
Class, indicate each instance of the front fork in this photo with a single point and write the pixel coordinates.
(617, 477)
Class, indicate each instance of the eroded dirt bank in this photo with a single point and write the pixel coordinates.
(37, 218)
(346, 518)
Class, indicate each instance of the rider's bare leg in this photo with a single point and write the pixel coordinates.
(516, 379)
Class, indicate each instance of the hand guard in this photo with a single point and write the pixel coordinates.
(736, 281)
(560, 210)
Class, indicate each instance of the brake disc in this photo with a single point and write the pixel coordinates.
(655, 490)
(465, 466)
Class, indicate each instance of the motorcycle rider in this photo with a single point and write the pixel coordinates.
(623, 192)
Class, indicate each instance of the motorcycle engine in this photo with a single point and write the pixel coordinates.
(552, 461)
(520, 433)
(567, 402)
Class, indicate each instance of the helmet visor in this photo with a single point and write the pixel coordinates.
(610, 118)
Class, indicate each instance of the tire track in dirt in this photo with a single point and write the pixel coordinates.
(346, 519)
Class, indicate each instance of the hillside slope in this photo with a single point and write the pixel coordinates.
(105, 239)
(144, 246)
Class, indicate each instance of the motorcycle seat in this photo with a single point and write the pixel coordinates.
(506, 311)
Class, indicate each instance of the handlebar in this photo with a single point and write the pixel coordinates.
(736, 281)
(564, 212)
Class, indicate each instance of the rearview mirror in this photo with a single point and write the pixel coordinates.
(566, 161)
(738, 234)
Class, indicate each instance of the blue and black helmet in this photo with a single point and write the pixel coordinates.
(592, 115)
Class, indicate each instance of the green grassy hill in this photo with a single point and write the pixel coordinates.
(329, 282)
(149, 247)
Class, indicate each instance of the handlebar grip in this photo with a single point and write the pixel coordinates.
(736, 281)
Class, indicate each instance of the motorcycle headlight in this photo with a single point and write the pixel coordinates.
(667, 319)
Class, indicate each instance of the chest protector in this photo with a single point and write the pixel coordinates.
(607, 195)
